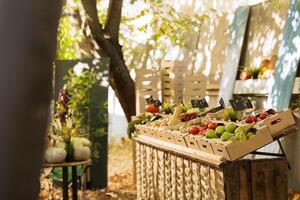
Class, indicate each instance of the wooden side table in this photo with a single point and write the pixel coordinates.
(65, 166)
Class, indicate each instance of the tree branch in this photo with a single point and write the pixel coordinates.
(113, 20)
(90, 7)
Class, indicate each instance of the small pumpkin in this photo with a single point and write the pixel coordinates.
(81, 142)
(81, 153)
(55, 155)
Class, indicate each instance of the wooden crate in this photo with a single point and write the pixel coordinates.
(172, 75)
(163, 174)
(279, 121)
(147, 83)
(194, 86)
(232, 150)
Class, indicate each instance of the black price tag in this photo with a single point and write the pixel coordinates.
(240, 104)
(248, 104)
(236, 104)
(157, 103)
(222, 103)
(202, 103)
(150, 100)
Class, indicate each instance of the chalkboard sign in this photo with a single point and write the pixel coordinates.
(150, 100)
(239, 104)
(157, 103)
(222, 103)
(202, 103)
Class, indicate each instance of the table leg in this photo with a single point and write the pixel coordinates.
(74, 183)
(65, 183)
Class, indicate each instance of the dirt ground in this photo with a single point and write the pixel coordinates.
(120, 177)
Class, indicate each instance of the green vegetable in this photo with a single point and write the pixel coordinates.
(167, 108)
(131, 125)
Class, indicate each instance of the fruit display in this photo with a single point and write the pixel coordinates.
(213, 132)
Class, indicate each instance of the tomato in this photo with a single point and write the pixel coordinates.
(194, 130)
(151, 108)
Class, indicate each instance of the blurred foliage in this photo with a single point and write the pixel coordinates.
(148, 30)
(79, 86)
(88, 113)
(69, 35)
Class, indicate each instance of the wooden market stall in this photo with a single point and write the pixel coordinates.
(170, 167)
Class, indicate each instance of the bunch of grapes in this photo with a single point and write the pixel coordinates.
(62, 107)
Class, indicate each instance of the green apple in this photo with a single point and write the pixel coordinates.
(230, 127)
(220, 130)
(211, 133)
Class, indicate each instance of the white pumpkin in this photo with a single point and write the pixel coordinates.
(81, 153)
(81, 142)
(55, 155)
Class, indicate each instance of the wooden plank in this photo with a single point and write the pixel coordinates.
(234, 49)
(245, 180)
(231, 181)
(281, 179)
(195, 155)
(263, 180)
(288, 59)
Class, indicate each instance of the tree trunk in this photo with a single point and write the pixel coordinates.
(107, 40)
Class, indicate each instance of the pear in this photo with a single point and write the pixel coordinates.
(226, 136)
(220, 130)
(230, 127)
(250, 134)
(239, 130)
(211, 133)
(243, 136)
(247, 127)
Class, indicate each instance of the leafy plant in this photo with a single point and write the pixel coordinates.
(66, 132)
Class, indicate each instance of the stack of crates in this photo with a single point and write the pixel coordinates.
(194, 86)
(147, 83)
(172, 76)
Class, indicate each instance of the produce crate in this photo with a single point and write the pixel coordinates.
(194, 86)
(179, 138)
(147, 83)
(169, 174)
(279, 121)
(205, 145)
(191, 141)
(232, 150)
(172, 75)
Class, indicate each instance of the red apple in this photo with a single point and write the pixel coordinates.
(212, 125)
(194, 130)
(250, 119)
(263, 115)
(202, 130)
